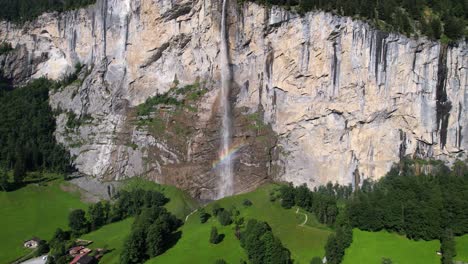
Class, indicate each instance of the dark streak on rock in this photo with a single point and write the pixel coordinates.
(443, 105)
(334, 64)
(380, 51)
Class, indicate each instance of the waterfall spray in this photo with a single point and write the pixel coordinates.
(226, 187)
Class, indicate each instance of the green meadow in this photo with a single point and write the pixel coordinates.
(304, 242)
(34, 210)
(371, 247)
(462, 248)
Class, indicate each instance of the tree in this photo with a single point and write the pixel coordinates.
(454, 27)
(247, 203)
(224, 218)
(19, 171)
(98, 214)
(287, 196)
(204, 216)
(262, 246)
(134, 250)
(447, 247)
(436, 28)
(77, 221)
(216, 209)
(4, 184)
(215, 238)
(156, 239)
(42, 248)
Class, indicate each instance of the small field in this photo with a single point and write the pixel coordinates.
(462, 248)
(371, 247)
(34, 210)
(304, 242)
(110, 237)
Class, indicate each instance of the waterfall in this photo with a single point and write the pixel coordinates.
(226, 187)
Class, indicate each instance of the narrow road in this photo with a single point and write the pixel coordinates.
(194, 211)
(306, 217)
(38, 260)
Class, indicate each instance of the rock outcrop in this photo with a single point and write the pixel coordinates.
(338, 100)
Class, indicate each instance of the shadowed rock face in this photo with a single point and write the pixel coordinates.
(338, 101)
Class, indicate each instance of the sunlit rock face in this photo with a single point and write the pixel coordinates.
(342, 101)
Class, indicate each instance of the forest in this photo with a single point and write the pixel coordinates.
(25, 10)
(27, 126)
(421, 206)
(436, 19)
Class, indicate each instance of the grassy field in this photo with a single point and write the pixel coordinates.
(304, 242)
(34, 210)
(110, 237)
(462, 248)
(371, 247)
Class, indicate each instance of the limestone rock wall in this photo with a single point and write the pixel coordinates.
(344, 100)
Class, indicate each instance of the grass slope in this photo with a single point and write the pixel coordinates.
(33, 210)
(303, 242)
(112, 236)
(462, 248)
(371, 247)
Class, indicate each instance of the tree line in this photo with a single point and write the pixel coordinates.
(25, 10)
(27, 126)
(432, 18)
(420, 207)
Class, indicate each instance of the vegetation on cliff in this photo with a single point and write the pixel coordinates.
(433, 18)
(24, 10)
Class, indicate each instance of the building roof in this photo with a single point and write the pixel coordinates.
(86, 260)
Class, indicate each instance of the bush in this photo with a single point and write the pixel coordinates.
(204, 216)
(225, 218)
(216, 209)
(220, 261)
(215, 238)
(247, 203)
(42, 248)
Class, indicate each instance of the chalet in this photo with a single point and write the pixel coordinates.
(78, 250)
(75, 251)
(32, 243)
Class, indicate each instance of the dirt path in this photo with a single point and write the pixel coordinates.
(306, 217)
(194, 211)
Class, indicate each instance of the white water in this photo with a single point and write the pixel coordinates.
(225, 172)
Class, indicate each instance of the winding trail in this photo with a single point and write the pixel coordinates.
(194, 211)
(306, 217)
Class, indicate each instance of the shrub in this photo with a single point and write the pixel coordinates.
(225, 218)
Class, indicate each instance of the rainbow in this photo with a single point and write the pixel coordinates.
(229, 154)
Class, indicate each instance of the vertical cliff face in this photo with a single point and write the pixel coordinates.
(316, 98)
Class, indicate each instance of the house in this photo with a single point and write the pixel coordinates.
(78, 250)
(75, 251)
(32, 243)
